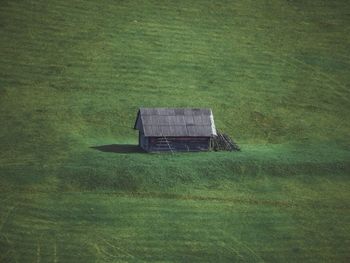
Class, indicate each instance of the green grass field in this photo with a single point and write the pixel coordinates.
(277, 77)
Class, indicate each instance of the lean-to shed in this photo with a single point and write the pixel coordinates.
(175, 129)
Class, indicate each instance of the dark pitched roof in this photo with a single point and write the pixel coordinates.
(175, 122)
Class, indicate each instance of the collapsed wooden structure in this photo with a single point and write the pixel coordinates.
(223, 142)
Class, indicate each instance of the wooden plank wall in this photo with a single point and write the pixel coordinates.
(178, 144)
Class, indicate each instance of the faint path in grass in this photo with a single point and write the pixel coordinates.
(248, 201)
(244, 245)
(4, 220)
(292, 61)
(55, 258)
(239, 250)
(121, 251)
(317, 70)
(317, 204)
(38, 252)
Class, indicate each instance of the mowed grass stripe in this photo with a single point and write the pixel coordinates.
(186, 229)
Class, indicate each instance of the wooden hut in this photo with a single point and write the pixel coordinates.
(175, 129)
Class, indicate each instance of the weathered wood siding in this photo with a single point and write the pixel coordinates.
(178, 144)
(143, 141)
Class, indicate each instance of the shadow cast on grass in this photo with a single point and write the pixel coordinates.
(119, 148)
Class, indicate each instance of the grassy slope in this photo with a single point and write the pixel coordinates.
(275, 73)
